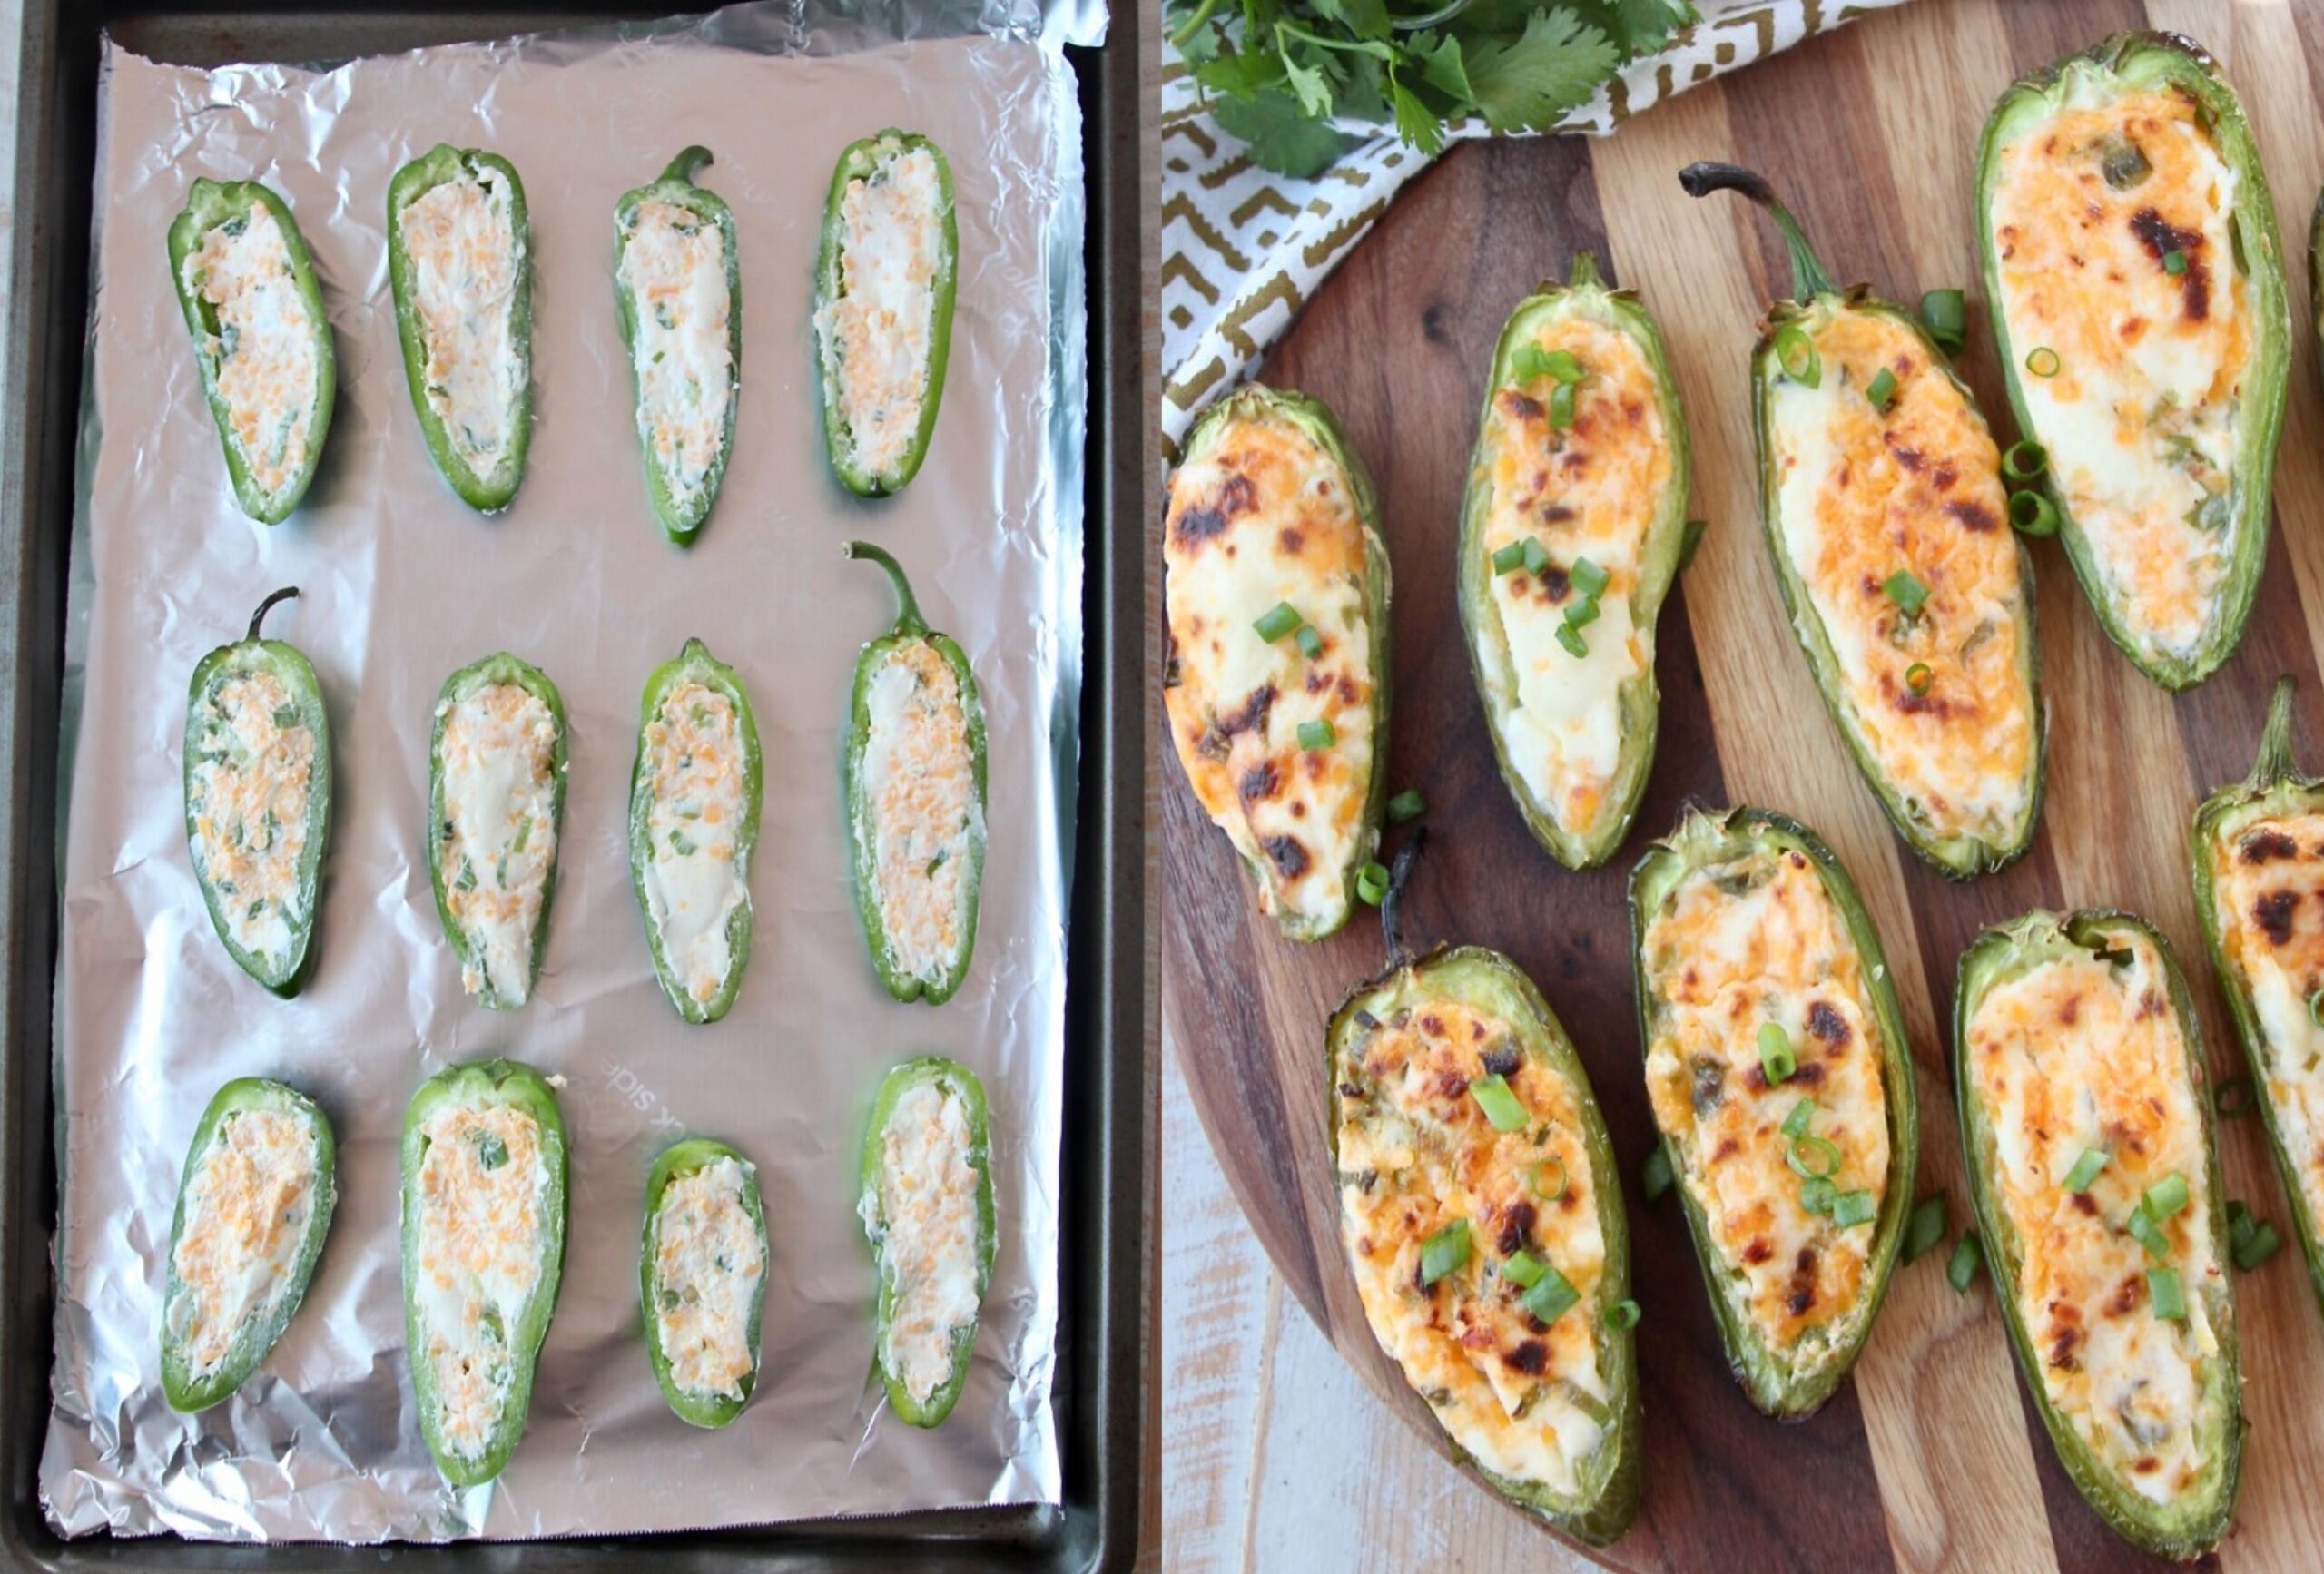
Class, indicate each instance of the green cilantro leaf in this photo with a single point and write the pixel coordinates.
(1555, 65)
(1281, 138)
(1442, 67)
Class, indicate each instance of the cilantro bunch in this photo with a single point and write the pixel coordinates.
(1276, 73)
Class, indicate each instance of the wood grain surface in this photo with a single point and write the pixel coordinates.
(1931, 1458)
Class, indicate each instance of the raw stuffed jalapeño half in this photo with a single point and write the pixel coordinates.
(2137, 290)
(1570, 537)
(459, 262)
(1782, 1087)
(496, 807)
(927, 1209)
(1483, 1217)
(678, 289)
(915, 800)
(483, 1194)
(884, 280)
(254, 1209)
(2258, 865)
(702, 1278)
(1881, 492)
(257, 800)
(2096, 1187)
(694, 822)
(247, 285)
(1276, 682)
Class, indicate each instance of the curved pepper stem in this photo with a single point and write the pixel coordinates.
(288, 593)
(1392, 905)
(1807, 276)
(2275, 762)
(684, 167)
(907, 618)
(1582, 274)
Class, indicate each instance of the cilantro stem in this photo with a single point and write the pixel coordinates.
(1194, 25)
(1436, 19)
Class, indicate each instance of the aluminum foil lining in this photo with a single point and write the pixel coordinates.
(401, 583)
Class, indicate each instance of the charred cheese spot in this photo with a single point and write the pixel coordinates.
(1733, 946)
(2141, 420)
(1416, 1154)
(1852, 513)
(1237, 707)
(2264, 865)
(1591, 490)
(2114, 1077)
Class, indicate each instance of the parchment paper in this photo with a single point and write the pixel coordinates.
(401, 584)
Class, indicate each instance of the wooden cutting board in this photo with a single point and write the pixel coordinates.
(1931, 1458)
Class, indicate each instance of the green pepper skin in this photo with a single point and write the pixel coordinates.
(288, 665)
(1996, 955)
(497, 487)
(502, 668)
(257, 1336)
(1816, 299)
(1706, 839)
(2132, 61)
(1601, 1513)
(696, 664)
(207, 206)
(1582, 296)
(1312, 418)
(862, 841)
(2274, 789)
(681, 521)
(486, 1083)
(684, 1158)
(963, 1085)
(860, 160)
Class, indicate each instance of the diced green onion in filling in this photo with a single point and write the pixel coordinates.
(1623, 1314)
(1311, 640)
(1371, 883)
(2024, 460)
(1570, 637)
(1510, 559)
(2174, 262)
(1552, 1297)
(2042, 361)
(1917, 677)
(1852, 1208)
(2165, 1197)
(1446, 1251)
(1882, 389)
(1776, 1058)
(2148, 1234)
(1500, 1102)
(1588, 578)
(2170, 1301)
(2034, 515)
(1795, 1122)
(1278, 621)
(1946, 314)
(1317, 735)
(1907, 591)
(1561, 407)
(1524, 1270)
(1796, 353)
(2085, 1169)
(1813, 1157)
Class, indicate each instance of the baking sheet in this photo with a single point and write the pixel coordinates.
(401, 584)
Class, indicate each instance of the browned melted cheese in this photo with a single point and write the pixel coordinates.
(2267, 884)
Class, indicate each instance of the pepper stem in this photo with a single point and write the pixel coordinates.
(684, 167)
(2275, 762)
(1583, 272)
(907, 618)
(1807, 276)
(287, 593)
(1392, 905)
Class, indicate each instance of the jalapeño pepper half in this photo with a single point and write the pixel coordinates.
(681, 1290)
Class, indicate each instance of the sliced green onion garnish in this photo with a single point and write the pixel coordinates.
(1691, 538)
(2258, 1244)
(1622, 1315)
(2232, 1099)
(2165, 1197)
(1510, 559)
(1446, 1251)
(2174, 262)
(1524, 1270)
(1549, 1179)
(1816, 1194)
(1570, 637)
(1371, 883)
(1907, 591)
(1552, 1297)
(1500, 1102)
(1796, 353)
(1795, 1122)
(1560, 411)
(2148, 1234)
(1537, 556)
(1654, 1175)
(1925, 1227)
(2085, 1168)
(1318, 734)
(1963, 1265)
(1813, 1157)
(2034, 514)
(1588, 577)
(1563, 365)
(1776, 1058)
(2315, 1007)
(1581, 612)
(1280, 621)
(1881, 389)
(1311, 640)
(1917, 677)
(1945, 315)
(1853, 1208)
(2163, 1289)
(1407, 805)
(2022, 461)
(2042, 361)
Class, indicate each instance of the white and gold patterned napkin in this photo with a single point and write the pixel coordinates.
(1242, 248)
